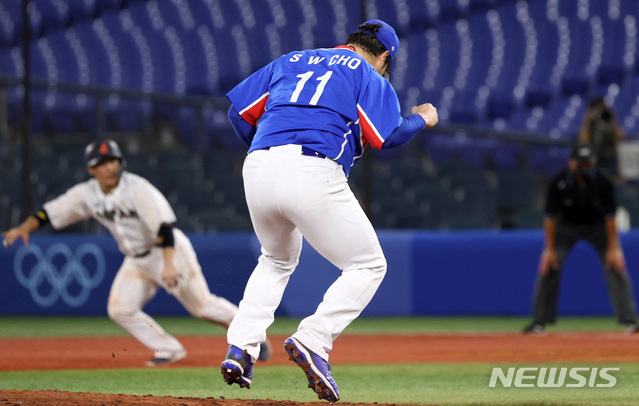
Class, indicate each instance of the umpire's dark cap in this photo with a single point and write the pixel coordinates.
(98, 151)
(582, 153)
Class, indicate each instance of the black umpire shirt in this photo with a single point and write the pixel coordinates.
(570, 203)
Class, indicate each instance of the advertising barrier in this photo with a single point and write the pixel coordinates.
(429, 273)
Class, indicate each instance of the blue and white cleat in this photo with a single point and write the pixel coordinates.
(237, 367)
(317, 370)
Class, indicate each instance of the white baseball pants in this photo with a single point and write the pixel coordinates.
(139, 279)
(290, 195)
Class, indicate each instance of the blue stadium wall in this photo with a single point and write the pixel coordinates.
(429, 273)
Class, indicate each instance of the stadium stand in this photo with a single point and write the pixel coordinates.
(511, 80)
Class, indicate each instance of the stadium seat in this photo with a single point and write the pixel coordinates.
(514, 40)
(97, 56)
(176, 14)
(479, 6)
(500, 106)
(130, 67)
(328, 18)
(65, 110)
(53, 14)
(80, 10)
(613, 67)
(505, 156)
(448, 58)
(502, 65)
(202, 63)
(397, 15)
(480, 33)
(10, 14)
(421, 72)
(453, 10)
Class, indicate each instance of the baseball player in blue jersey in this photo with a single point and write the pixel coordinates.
(306, 118)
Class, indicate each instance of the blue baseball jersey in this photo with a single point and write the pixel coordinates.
(330, 100)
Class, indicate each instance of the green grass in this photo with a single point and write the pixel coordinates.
(102, 326)
(418, 384)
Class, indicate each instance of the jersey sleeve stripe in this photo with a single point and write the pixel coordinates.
(369, 132)
(254, 111)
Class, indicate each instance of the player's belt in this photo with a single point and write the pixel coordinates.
(309, 152)
(306, 151)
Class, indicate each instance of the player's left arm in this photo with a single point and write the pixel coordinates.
(170, 274)
(248, 103)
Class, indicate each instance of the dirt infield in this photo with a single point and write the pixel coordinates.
(126, 352)
(39, 398)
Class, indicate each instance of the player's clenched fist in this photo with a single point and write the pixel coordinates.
(428, 113)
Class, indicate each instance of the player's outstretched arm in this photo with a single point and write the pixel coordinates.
(428, 113)
(22, 231)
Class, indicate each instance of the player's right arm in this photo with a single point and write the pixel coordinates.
(29, 225)
(242, 128)
(248, 102)
(65, 209)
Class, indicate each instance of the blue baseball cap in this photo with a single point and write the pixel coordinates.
(387, 36)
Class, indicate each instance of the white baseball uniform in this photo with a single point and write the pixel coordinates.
(315, 201)
(133, 213)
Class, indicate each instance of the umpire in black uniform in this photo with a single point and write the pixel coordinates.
(580, 204)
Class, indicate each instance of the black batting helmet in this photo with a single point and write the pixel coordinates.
(98, 151)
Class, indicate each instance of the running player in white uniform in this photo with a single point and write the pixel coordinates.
(157, 254)
(306, 118)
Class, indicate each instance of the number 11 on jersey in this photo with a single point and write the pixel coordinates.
(304, 77)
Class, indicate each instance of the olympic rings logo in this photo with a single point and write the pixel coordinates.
(60, 268)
